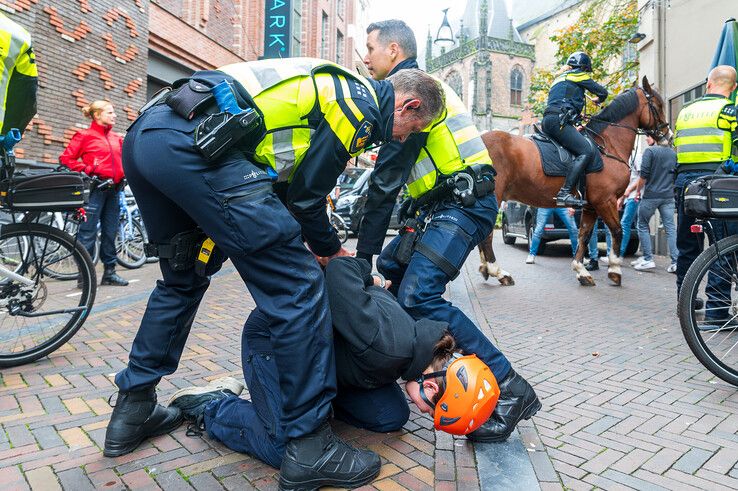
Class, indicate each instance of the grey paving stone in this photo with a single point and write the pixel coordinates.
(505, 466)
(692, 460)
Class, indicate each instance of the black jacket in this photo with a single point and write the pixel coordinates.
(391, 171)
(568, 89)
(376, 341)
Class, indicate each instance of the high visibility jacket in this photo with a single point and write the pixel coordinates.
(453, 143)
(18, 76)
(704, 133)
(567, 91)
(297, 94)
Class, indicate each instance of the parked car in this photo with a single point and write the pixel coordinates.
(519, 220)
(352, 199)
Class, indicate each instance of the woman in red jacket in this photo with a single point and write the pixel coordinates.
(96, 151)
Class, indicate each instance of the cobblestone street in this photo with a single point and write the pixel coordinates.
(625, 404)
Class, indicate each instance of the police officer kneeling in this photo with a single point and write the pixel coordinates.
(204, 157)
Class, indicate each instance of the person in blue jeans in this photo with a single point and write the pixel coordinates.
(542, 217)
(656, 188)
(629, 204)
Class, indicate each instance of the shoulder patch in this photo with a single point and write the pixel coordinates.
(362, 136)
(729, 110)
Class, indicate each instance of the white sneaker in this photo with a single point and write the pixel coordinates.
(671, 268)
(637, 261)
(645, 265)
(531, 259)
(605, 260)
(224, 383)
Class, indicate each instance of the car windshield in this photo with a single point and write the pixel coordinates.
(350, 178)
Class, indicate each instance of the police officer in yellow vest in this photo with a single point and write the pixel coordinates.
(706, 140)
(449, 148)
(205, 156)
(18, 78)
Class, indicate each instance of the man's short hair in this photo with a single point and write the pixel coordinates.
(396, 31)
(417, 84)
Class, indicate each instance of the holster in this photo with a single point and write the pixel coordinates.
(410, 234)
(190, 99)
(181, 251)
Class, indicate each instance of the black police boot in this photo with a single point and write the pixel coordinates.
(110, 277)
(322, 459)
(592, 265)
(517, 401)
(564, 196)
(137, 416)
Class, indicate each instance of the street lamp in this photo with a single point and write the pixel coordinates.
(637, 38)
(445, 35)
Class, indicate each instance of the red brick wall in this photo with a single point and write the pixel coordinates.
(85, 50)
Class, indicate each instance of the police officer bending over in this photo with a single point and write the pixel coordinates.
(564, 110)
(450, 176)
(201, 161)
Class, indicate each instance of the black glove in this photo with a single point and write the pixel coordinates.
(365, 256)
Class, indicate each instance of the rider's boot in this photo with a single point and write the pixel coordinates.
(137, 416)
(110, 277)
(565, 197)
(321, 459)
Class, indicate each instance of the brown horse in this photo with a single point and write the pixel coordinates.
(520, 176)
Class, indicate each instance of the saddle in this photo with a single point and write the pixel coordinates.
(556, 159)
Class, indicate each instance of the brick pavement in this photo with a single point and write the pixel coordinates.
(625, 403)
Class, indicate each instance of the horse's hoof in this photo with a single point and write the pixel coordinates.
(616, 278)
(586, 281)
(506, 281)
(484, 272)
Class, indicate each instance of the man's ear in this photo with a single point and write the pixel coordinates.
(394, 50)
(431, 388)
(411, 104)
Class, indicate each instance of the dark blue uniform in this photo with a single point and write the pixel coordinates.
(232, 201)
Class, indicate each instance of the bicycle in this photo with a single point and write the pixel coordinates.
(336, 221)
(709, 317)
(39, 314)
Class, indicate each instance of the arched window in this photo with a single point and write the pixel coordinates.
(454, 81)
(516, 87)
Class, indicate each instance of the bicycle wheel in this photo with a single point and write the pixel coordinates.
(340, 227)
(38, 313)
(129, 245)
(708, 309)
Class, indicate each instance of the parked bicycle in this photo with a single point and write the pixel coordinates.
(39, 313)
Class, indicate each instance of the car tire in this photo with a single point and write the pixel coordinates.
(506, 237)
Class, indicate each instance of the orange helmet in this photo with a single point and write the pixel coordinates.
(470, 397)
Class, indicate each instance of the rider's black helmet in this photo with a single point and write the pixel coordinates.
(581, 60)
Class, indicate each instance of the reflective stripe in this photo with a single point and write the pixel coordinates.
(347, 98)
(700, 147)
(472, 147)
(459, 122)
(700, 132)
(421, 168)
(267, 77)
(284, 152)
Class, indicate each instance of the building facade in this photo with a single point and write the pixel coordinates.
(681, 39)
(489, 66)
(125, 50)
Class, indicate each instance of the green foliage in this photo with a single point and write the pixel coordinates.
(604, 38)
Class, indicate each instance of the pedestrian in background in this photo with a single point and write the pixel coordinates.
(96, 151)
(656, 189)
(566, 215)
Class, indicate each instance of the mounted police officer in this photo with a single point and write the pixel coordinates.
(447, 152)
(201, 160)
(563, 111)
(706, 142)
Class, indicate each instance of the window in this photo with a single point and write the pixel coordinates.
(454, 81)
(516, 87)
(339, 47)
(341, 8)
(324, 37)
(296, 27)
(677, 103)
